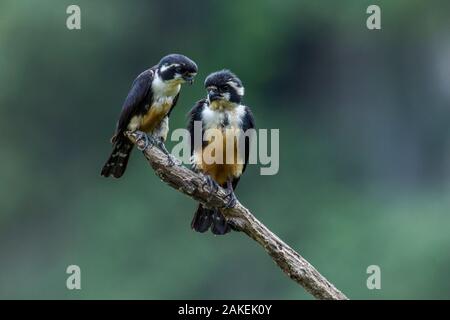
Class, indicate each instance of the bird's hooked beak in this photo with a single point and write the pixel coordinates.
(189, 78)
(214, 95)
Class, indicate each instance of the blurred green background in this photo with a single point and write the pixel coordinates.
(364, 139)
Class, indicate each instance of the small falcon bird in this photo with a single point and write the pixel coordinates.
(221, 110)
(147, 108)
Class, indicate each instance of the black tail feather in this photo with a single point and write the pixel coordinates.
(118, 160)
(205, 218)
(202, 219)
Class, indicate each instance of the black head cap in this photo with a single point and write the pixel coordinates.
(180, 59)
(175, 66)
(226, 85)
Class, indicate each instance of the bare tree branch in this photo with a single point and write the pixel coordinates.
(192, 184)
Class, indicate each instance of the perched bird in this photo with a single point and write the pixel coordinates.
(147, 108)
(223, 111)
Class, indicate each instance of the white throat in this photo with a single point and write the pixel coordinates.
(163, 89)
(222, 118)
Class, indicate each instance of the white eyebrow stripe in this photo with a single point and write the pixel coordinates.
(164, 68)
(239, 90)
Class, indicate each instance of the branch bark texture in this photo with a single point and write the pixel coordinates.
(192, 184)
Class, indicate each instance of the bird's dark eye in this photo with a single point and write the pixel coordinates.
(225, 87)
(178, 69)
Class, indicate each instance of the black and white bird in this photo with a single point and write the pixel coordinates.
(147, 108)
(223, 112)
